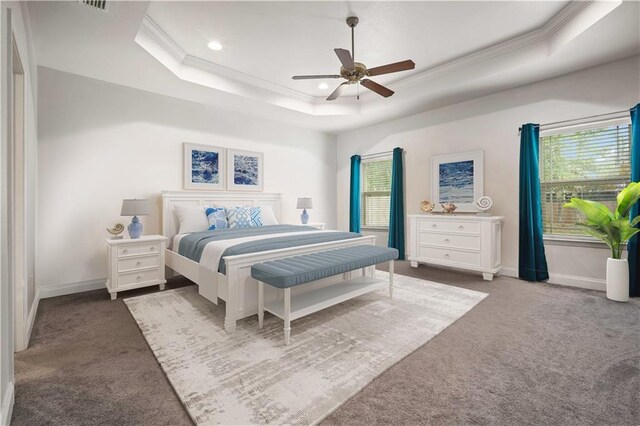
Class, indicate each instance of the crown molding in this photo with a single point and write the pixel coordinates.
(538, 44)
(157, 34)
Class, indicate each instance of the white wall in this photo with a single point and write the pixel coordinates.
(20, 27)
(100, 143)
(491, 124)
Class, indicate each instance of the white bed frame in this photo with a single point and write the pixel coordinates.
(237, 288)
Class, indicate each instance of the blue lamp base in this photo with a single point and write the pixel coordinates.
(135, 228)
(304, 217)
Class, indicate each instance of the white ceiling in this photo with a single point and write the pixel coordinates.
(273, 41)
(461, 49)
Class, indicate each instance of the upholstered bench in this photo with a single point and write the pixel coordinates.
(299, 270)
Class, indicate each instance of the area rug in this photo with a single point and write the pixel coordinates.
(251, 377)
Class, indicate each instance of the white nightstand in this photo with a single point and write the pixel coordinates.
(316, 225)
(135, 263)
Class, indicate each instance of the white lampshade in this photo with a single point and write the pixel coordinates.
(135, 207)
(305, 203)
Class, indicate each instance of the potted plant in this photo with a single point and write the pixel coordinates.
(614, 229)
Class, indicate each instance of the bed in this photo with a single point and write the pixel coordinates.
(232, 281)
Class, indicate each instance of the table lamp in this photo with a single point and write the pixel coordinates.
(135, 208)
(304, 204)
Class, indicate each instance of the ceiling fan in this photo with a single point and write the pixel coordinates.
(356, 72)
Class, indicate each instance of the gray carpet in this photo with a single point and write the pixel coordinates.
(528, 354)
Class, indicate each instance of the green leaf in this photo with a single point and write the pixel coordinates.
(626, 199)
(635, 220)
(603, 234)
(596, 213)
(625, 229)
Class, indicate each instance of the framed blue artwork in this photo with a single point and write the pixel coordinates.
(458, 179)
(204, 167)
(244, 170)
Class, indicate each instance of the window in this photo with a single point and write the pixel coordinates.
(593, 164)
(376, 194)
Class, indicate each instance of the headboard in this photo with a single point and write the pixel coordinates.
(170, 223)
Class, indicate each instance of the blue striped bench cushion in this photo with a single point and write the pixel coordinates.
(296, 270)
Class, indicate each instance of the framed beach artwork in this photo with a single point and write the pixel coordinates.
(458, 179)
(204, 167)
(244, 170)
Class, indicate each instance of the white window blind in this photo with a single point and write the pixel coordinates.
(376, 194)
(592, 164)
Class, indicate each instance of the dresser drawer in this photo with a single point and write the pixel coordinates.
(454, 256)
(138, 277)
(452, 240)
(449, 226)
(135, 263)
(131, 249)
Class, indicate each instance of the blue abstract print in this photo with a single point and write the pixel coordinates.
(245, 170)
(456, 182)
(205, 167)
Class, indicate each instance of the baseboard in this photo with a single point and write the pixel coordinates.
(32, 315)
(71, 288)
(508, 271)
(7, 406)
(575, 281)
(562, 279)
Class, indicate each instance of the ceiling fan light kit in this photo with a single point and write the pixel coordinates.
(356, 72)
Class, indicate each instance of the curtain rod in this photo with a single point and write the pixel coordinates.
(377, 154)
(579, 119)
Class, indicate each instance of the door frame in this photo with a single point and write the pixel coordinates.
(17, 197)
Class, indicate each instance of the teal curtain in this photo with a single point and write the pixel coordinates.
(396, 212)
(633, 246)
(532, 265)
(354, 206)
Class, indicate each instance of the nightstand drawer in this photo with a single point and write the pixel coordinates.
(135, 263)
(131, 249)
(138, 277)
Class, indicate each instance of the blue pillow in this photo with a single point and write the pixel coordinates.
(256, 216)
(217, 218)
(239, 217)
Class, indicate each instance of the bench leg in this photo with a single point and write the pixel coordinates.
(391, 265)
(260, 303)
(287, 315)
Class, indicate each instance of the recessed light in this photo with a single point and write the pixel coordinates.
(214, 45)
(323, 86)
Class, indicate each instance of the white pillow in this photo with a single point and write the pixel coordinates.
(192, 219)
(268, 217)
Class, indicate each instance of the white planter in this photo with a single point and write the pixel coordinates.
(617, 280)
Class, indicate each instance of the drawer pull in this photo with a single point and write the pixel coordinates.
(139, 264)
(125, 251)
(138, 278)
(152, 248)
(446, 240)
(446, 255)
(434, 226)
(461, 227)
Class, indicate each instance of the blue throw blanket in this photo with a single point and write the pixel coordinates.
(192, 245)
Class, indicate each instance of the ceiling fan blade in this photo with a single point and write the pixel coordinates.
(395, 67)
(345, 57)
(336, 93)
(310, 77)
(373, 86)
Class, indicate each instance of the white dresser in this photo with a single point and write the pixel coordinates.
(135, 263)
(461, 241)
